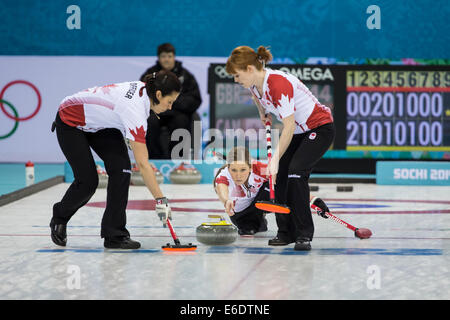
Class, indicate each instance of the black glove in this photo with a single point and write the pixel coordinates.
(322, 208)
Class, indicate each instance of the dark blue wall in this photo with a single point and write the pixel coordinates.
(293, 28)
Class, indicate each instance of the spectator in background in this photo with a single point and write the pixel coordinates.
(183, 109)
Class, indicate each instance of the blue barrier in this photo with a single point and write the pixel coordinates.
(12, 175)
(431, 173)
(207, 169)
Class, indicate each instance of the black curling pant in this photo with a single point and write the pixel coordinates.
(292, 187)
(110, 146)
(251, 218)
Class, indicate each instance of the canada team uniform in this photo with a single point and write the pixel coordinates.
(284, 95)
(123, 106)
(247, 217)
(100, 118)
(241, 195)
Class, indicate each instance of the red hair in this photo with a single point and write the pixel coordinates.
(243, 56)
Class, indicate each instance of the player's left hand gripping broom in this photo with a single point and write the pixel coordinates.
(271, 205)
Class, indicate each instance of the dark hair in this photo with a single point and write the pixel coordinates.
(166, 47)
(164, 81)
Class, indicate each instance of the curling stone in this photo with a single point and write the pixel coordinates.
(313, 188)
(185, 174)
(136, 177)
(102, 177)
(216, 233)
(158, 174)
(344, 188)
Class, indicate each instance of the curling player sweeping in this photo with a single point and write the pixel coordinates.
(102, 118)
(308, 132)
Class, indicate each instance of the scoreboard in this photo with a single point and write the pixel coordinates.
(375, 107)
(398, 109)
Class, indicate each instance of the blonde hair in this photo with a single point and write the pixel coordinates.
(240, 154)
(243, 56)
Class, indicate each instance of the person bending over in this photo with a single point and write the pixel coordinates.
(308, 131)
(102, 118)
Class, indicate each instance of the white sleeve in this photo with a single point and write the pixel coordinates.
(282, 92)
(135, 125)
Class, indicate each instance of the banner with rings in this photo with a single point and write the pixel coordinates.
(15, 117)
(32, 87)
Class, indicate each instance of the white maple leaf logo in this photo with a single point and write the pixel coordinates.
(285, 101)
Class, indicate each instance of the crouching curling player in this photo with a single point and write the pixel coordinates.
(240, 183)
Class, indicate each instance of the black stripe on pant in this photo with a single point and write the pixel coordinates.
(110, 146)
(292, 187)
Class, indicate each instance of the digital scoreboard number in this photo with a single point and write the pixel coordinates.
(398, 110)
(375, 107)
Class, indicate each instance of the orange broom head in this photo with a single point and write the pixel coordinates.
(179, 247)
(272, 207)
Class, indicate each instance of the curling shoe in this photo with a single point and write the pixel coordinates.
(243, 232)
(58, 233)
(277, 241)
(302, 244)
(121, 243)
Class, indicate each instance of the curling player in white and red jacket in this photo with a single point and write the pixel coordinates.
(308, 132)
(240, 184)
(102, 118)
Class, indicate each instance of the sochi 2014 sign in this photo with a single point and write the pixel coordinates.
(419, 173)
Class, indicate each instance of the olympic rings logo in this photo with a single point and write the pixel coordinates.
(221, 72)
(15, 115)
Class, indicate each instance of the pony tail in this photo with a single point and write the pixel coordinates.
(150, 78)
(150, 86)
(264, 55)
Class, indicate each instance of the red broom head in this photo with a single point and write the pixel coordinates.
(363, 233)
